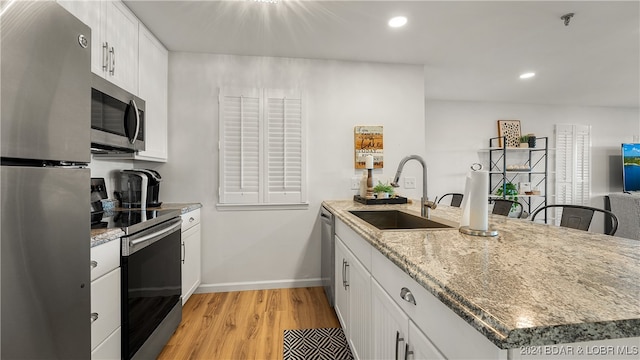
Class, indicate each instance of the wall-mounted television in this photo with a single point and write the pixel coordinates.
(631, 167)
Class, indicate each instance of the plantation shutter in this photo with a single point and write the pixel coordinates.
(240, 119)
(573, 165)
(284, 147)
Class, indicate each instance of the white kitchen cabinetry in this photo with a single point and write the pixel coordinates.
(114, 40)
(153, 89)
(105, 301)
(394, 335)
(353, 290)
(390, 325)
(191, 243)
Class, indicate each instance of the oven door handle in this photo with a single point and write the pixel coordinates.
(149, 239)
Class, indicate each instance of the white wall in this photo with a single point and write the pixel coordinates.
(455, 130)
(251, 249)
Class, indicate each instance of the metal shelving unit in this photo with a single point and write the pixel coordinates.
(536, 162)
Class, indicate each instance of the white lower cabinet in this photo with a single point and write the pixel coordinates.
(390, 325)
(353, 300)
(394, 335)
(191, 243)
(110, 348)
(105, 301)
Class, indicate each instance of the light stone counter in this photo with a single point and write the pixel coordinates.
(533, 284)
(101, 236)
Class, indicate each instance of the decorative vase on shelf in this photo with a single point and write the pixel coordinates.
(532, 141)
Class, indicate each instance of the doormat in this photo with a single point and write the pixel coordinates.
(317, 344)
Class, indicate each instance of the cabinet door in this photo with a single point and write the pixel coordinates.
(105, 306)
(153, 77)
(191, 242)
(390, 325)
(91, 13)
(110, 349)
(420, 345)
(342, 292)
(121, 31)
(359, 281)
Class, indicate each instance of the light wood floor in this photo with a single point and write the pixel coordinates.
(246, 324)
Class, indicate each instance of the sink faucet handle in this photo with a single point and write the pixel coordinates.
(430, 204)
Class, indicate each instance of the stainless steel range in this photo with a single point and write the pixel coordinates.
(151, 278)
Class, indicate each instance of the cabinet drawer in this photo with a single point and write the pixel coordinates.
(105, 305)
(190, 219)
(444, 328)
(104, 258)
(354, 242)
(110, 349)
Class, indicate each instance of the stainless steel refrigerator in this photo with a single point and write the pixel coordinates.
(45, 230)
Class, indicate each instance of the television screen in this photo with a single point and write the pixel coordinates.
(631, 167)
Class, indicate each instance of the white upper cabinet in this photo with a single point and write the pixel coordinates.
(153, 76)
(114, 40)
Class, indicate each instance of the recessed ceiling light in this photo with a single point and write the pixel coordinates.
(398, 21)
(527, 75)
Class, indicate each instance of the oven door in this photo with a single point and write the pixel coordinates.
(151, 282)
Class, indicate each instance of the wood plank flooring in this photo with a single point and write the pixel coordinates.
(246, 324)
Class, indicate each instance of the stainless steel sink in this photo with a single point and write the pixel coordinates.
(399, 220)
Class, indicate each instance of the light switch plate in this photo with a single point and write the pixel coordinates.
(409, 182)
(355, 183)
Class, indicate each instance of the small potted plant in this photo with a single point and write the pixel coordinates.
(383, 191)
(532, 140)
(524, 141)
(510, 191)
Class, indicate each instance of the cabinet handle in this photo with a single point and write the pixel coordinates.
(191, 219)
(398, 340)
(105, 56)
(407, 296)
(184, 252)
(113, 60)
(407, 352)
(94, 317)
(343, 280)
(346, 276)
(94, 264)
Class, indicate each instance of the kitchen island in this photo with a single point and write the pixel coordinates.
(532, 285)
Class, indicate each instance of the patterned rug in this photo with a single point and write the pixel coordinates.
(317, 344)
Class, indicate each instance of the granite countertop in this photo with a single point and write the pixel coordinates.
(101, 236)
(533, 284)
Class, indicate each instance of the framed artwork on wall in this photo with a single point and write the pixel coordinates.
(510, 129)
(368, 141)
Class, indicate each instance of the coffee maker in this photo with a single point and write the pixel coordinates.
(140, 188)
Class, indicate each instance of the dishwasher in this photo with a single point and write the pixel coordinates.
(327, 221)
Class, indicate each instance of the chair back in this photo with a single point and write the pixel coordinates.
(580, 216)
(503, 207)
(456, 199)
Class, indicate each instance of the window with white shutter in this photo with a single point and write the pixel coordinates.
(573, 165)
(262, 147)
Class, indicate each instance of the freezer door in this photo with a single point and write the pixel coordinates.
(46, 83)
(45, 276)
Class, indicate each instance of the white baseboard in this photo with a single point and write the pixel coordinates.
(257, 285)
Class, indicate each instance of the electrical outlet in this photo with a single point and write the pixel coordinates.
(355, 183)
(409, 182)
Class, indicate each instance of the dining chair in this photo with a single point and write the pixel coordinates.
(580, 216)
(456, 199)
(503, 207)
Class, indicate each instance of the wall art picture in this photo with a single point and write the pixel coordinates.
(510, 129)
(368, 141)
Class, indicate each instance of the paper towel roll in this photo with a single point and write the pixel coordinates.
(479, 201)
(464, 221)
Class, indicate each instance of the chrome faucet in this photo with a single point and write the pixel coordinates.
(425, 204)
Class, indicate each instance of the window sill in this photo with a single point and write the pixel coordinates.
(254, 207)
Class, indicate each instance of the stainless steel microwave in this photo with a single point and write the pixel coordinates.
(117, 119)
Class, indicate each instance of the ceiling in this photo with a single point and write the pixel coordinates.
(471, 50)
